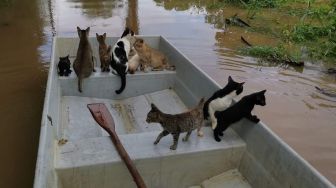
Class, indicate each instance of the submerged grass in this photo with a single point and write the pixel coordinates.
(276, 54)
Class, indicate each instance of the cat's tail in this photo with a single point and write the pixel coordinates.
(123, 83)
(206, 109)
(80, 84)
(122, 73)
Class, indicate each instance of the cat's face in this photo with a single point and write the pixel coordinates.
(238, 87)
(64, 59)
(127, 32)
(153, 115)
(83, 32)
(260, 98)
(138, 45)
(101, 38)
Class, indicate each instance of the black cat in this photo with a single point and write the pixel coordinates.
(238, 111)
(120, 54)
(64, 66)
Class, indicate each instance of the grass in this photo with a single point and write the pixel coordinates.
(313, 27)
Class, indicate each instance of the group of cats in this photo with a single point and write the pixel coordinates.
(218, 108)
(128, 54)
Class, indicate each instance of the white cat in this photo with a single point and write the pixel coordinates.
(221, 100)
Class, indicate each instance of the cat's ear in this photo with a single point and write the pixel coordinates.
(67, 56)
(140, 41)
(153, 106)
(87, 31)
(104, 35)
(78, 31)
(242, 83)
(230, 79)
(263, 92)
(201, 101)
(97, 35)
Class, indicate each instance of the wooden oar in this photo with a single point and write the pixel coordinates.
(103, 117)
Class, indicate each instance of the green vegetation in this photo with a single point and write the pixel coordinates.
(311, 24)
(271, 54)
(289, 24)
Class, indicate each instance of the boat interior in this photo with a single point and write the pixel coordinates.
(76, 152)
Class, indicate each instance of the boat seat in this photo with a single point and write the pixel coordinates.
(96, 160)
(103, 85)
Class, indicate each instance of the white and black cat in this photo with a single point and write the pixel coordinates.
(238, 111)
(221, 100)
(64, 66)
(120, 54)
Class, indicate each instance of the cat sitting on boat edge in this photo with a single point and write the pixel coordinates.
(151, 59)
(120, 53)
(64, 66)
(83, 64)
(104, 53)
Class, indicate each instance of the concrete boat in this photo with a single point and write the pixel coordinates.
(74, 151)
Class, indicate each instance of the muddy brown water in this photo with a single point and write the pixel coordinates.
(302, 117)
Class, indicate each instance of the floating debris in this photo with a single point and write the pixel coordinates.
(62, 141)
(327, 92)
(235, 20)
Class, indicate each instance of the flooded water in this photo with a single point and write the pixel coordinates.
(301, 116)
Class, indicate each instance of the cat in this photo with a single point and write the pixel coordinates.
(133, 63)
(178, 123)
(83, 64)
(64, 66)
(120, 53)
(104, 53)
(221, 100)
(238, 111)
(150, 57)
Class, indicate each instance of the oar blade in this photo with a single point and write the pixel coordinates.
(102, 115)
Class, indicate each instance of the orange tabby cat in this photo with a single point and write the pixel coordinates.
(151, 57)
(104, 53)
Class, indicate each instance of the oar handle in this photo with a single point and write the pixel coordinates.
(127, 160)
(103, 117)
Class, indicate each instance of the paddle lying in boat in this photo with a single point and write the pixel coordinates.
(103, 117)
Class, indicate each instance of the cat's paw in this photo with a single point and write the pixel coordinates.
(200, 133)
(255, 119)
(220, 134)
(173, 147)
(217, 139)
(156, 142)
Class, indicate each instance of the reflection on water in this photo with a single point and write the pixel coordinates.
(303, 117)
(96, 8)
(22, 81)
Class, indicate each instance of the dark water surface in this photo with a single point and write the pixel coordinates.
(304, 118)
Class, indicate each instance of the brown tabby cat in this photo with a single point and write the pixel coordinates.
(104, 53)
(178, 123)
(83, 64)
(151, 57)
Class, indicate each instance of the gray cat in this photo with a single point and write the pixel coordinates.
(177, 123)
(83, 64)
